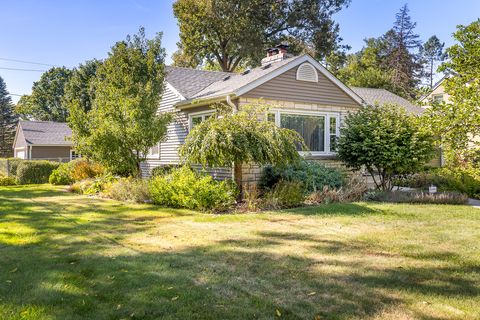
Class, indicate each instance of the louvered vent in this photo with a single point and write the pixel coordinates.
(307, 72)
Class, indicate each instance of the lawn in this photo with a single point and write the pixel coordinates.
(64, 256)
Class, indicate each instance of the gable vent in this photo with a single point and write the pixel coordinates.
(307, 72)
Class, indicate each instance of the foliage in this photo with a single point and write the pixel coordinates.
(185, 188)
(7, 181)
(285, 194)
(418, 197)
(458, 121)
(163, 170)
(432, 52)
(391, 62)
(35, 171)
(233, 33)
(8, 121)
(312, 175)
(386, 141)
(464, 180)
(79, 90)
(83, 169)
(13, 164)
(92, 186)
(240, 138)
(128, 189)
(46, 101)
(353, 190)
(123, 122)
(62, 175)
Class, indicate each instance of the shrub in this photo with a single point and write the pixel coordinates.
(418, 197)
(92, 185)
(128, 189)
(62, 175)
(353, 190)
(464, 180)
(163, 170)
(7, 181)
(35, 171)
(311, 175)
(285, 194)
(84, 169)
(185, 188)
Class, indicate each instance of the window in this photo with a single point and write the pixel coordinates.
(307, 72)
(74, 155)
(319, 131)
(154, 151)
(197, 118)
(438, 98)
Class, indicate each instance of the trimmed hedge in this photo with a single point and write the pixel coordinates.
(35, 172)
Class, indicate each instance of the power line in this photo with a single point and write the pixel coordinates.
(29, 62)
(15, 94)
(18, 69)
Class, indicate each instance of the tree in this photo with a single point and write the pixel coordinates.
(236, 32)
(46, 101)
(432, 52)
(123, 122)
(458, 121)
(79, 90)
(8, 122)
(386, 141)
(240, 138)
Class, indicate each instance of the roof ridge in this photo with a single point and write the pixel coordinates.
(200, 70)
(43, 121)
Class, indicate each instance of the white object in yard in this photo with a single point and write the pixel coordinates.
(432, 189)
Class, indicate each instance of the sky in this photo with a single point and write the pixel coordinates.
(66, 33)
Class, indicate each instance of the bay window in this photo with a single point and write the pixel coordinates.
(319, 130)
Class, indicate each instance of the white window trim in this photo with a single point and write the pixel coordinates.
(196, 114)
(327, 116)
(309, 65)
(154, 155)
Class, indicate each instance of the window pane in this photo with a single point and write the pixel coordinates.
(196, 120)
(311, 128)
(333, 134)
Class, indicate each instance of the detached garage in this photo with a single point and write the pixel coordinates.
(43, 140)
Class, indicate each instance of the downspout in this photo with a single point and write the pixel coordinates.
(231, 104)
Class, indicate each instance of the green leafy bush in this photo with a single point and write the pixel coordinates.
(35, 171)
(285, 194)
(464, 180)
(7, 181)
(313, 176)
(85, 169)
(92, 185)
(62, 175)
(128, 189)
(163, 170)
(418, 197)
(185, 188)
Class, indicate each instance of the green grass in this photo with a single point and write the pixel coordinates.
(64, 256)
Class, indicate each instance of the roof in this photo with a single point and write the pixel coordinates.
(381, 96)
(189, 81)
(46, 132)
(207, 85)
(435, 86)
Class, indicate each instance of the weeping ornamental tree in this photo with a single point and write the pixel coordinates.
(240, 138)
(386, 141)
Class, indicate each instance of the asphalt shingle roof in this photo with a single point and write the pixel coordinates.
(189, 81)
(381, 96)
(46, 132)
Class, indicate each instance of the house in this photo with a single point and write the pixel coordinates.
(437, 94)
(43, 140)
(304, 96)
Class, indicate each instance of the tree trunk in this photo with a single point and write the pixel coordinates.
(237, 177)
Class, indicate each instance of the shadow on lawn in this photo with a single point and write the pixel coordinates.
(72, 275)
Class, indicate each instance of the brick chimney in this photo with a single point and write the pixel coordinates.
(278, 53)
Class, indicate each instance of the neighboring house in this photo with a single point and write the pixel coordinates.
(43, 140)
(304, 96)
(437, 94)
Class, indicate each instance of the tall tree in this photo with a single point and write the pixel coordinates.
(123, 122)
(432, 52)
(402, 46)
(46, 101)
(458, 121)
(8, 121)
(79, 90)
(235, 32)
